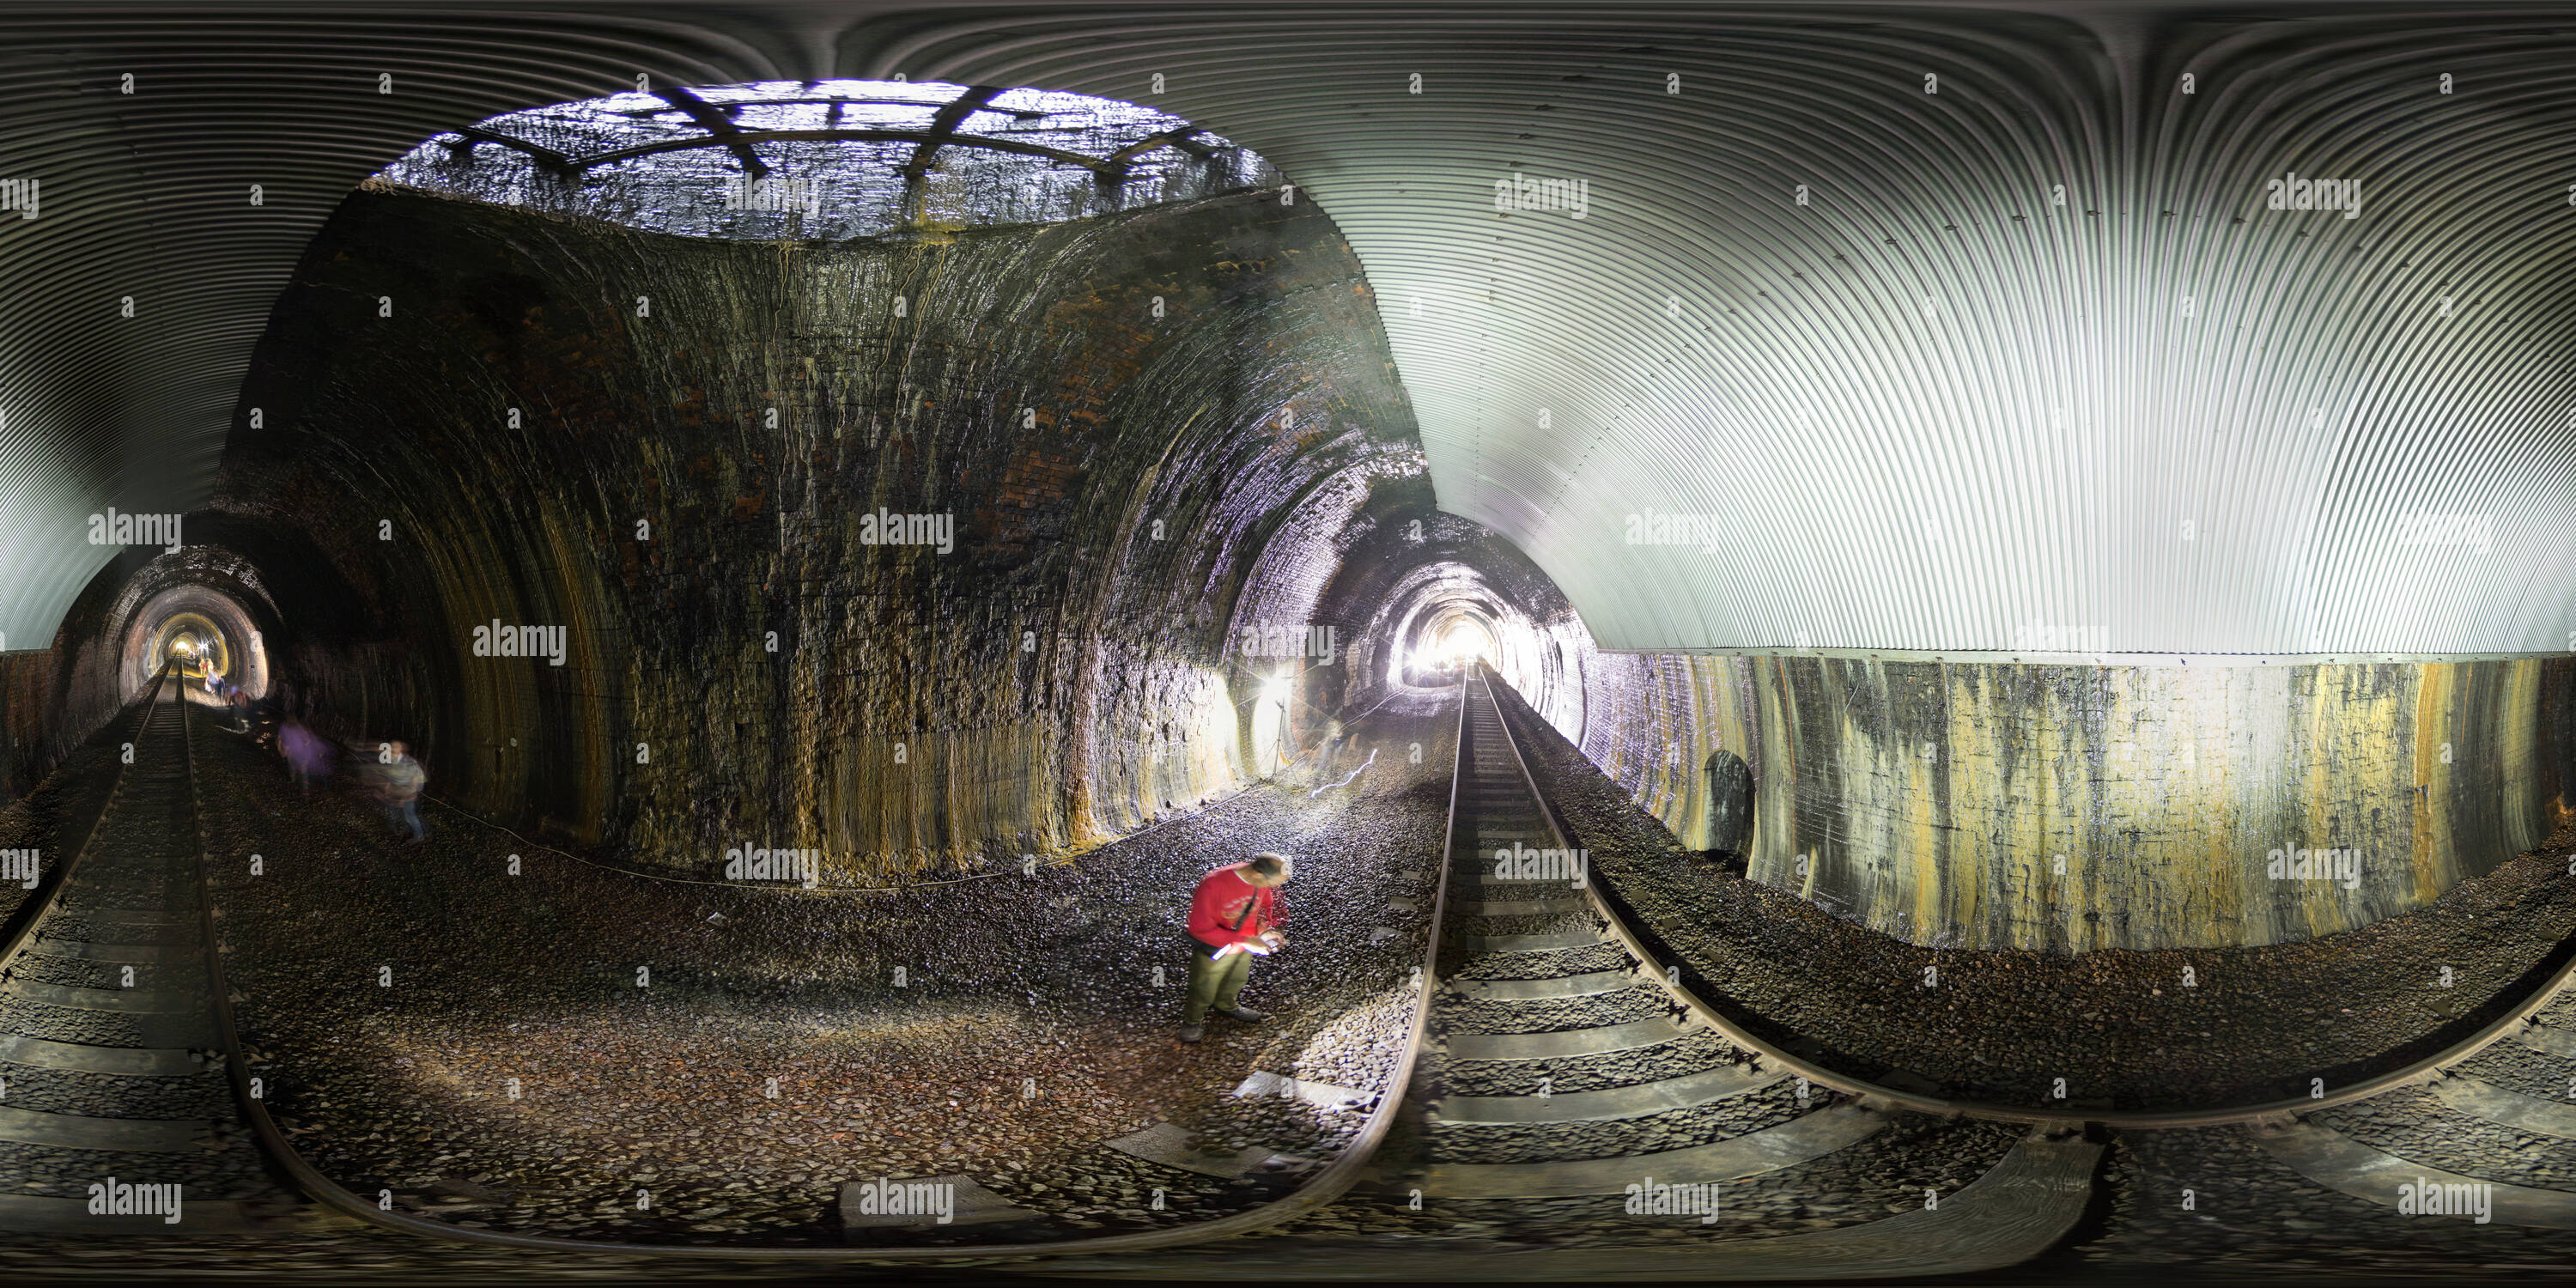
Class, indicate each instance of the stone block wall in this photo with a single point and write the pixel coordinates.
(703, 431)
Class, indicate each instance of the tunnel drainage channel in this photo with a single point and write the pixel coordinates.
(1327, 1185)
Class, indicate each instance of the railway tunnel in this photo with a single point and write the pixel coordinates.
(1881, 642)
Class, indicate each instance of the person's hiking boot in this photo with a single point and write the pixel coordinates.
(1193, 1032)
(1244, 1014)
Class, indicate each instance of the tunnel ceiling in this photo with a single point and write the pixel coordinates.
(1930, 407)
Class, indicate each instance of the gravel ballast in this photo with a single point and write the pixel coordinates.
(590, 1053)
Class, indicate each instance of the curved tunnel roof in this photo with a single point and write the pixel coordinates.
(1798, 283)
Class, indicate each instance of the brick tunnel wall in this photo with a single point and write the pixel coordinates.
(51, 699)
(1098, 404)
(1931, 801)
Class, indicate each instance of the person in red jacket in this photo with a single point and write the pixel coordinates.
(1234, 917)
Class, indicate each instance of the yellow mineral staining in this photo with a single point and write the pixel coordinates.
(2430, 859)
(2518, 755)
(2165, 789)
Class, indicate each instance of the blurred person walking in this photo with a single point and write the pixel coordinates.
(1234, 917)
(399, 779)
(307, 755)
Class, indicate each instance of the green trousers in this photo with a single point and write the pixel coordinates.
(1212, 982)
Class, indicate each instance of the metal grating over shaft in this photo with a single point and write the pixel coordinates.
(1927, 408)
(831, 159)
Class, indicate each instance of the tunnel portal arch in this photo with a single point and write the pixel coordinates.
(199, 606)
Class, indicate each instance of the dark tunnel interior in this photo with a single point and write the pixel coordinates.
(1661, 643)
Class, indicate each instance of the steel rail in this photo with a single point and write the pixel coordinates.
(21, 926)
(1324, 1187)
(1697, 1010)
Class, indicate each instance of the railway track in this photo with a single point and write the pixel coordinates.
(1716, 1015)
(1564, 1087)
(1549, 1059)
(1564, 1065)
(113, 1071)
(1558, 1064)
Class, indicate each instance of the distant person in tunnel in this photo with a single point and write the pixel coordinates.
(1234, 917)
(399, 779)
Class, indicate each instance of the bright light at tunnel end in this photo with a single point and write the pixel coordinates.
(1466, 642)
(1461, 642)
